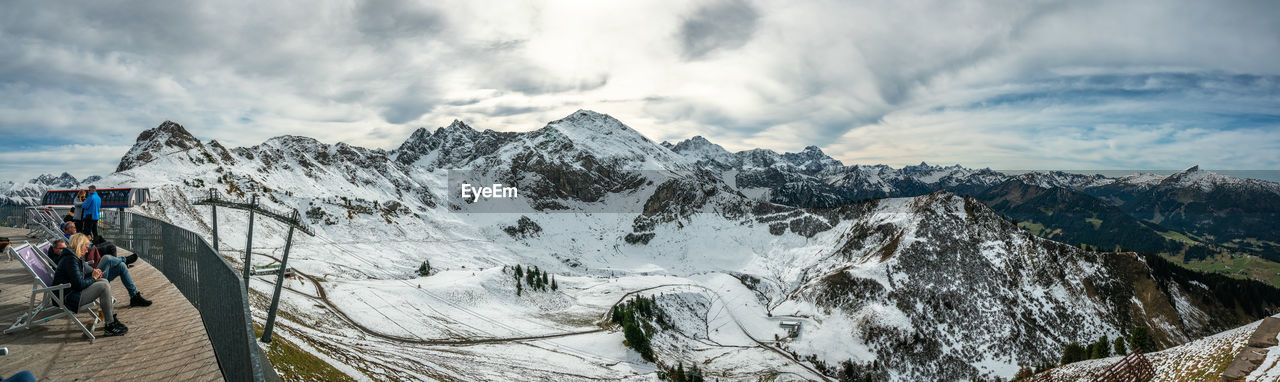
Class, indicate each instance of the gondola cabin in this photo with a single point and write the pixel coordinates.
(111, 197)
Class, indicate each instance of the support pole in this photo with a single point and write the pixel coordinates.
(275, 297)
(215, 224)
(248, 245)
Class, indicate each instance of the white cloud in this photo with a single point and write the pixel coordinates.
(870, 81)
(23, 163)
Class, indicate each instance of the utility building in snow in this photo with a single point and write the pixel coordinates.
(792, 327)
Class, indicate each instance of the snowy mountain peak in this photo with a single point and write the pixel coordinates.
(167, 138)
(698, 145)
(293, 141)
(30, 192)
(584, 114)
(699, 149)
(1061, 179)
(698, 140)
(458, 125)
(418, 135)
(62, 181)
(604, 137)
(1194, 177)
(585, 122)
(812, 159)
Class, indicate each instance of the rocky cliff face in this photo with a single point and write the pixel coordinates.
(939, 284)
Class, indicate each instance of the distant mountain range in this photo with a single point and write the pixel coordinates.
(1199, 212)
(915, 273)
(29, 193)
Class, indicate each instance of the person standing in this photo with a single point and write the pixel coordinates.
(92, 211)
(77, 212)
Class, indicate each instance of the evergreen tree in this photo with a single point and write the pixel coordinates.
(553, 284)
(518, 288)
(519, 272)
(544, 278)
(1101, 349)
(425, 268)
(1119, 346)
(694, 374)
(636, 338)
(1140, 340)
(1074, 352)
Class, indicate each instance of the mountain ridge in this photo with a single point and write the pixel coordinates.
(877, 274)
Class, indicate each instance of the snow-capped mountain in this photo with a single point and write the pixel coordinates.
(810, 178)
(1230, 213)
(926, 285)
(29, 193)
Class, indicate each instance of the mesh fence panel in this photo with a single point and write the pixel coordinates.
(204, 278)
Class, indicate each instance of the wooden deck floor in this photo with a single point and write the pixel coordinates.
(166, 341)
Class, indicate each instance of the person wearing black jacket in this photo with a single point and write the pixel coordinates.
(107, 248)
(85, 287)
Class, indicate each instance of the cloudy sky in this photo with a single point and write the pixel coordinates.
(1006, 85)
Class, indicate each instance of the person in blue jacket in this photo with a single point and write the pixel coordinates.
(92, 211)
(85, 287)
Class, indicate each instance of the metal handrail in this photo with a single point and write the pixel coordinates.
(211, 284)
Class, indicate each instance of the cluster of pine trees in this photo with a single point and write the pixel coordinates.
(424, 269)
(636, 317)
(535, 278)
(1139, 339)
(679, 374)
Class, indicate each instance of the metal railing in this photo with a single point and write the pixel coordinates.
(204, 278)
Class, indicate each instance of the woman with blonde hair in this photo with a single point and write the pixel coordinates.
(85, 286)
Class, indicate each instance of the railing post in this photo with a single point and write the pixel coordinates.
(248, 245)
(215, 224)
(275, 297)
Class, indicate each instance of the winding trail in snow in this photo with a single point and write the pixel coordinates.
(321, 296)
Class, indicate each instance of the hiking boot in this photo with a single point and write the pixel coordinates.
(131, 259)
(137, 300)
(115, 328)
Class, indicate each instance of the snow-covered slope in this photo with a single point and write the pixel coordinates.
(931, 286)
(1203, 359)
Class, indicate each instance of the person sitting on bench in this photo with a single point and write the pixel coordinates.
(89, 287)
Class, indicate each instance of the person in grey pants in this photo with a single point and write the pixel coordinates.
(85, 288)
